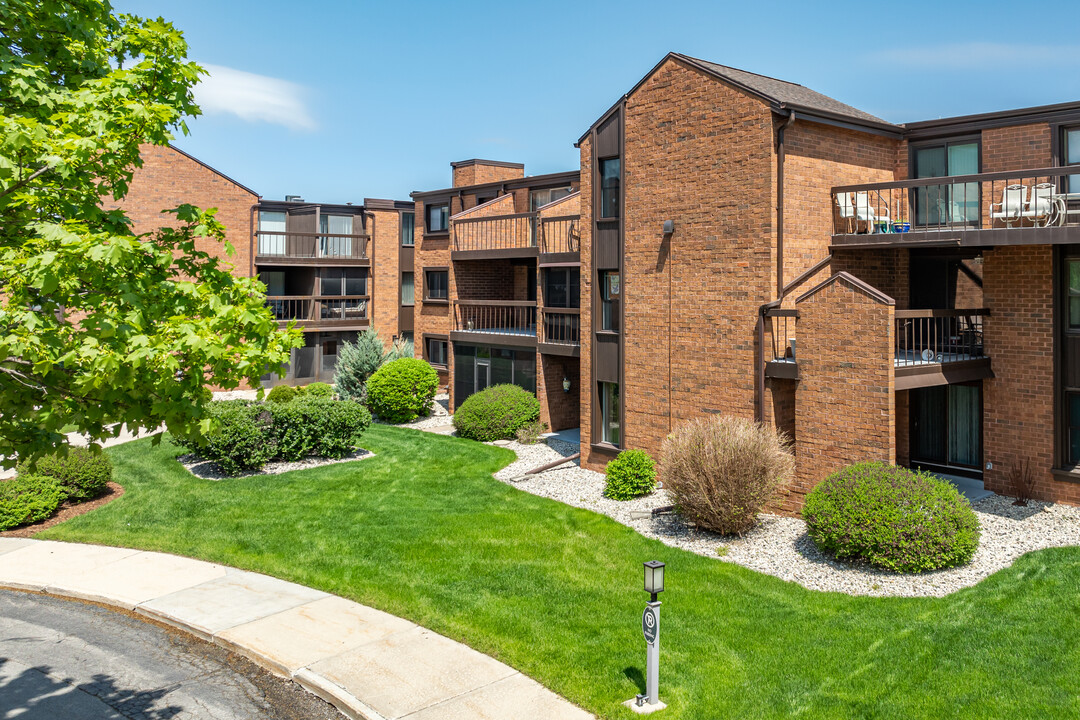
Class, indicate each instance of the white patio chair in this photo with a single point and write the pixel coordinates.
(1013, 199)
(1041, 207)
(847, 210)
(866, 212)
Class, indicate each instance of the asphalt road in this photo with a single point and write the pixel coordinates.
(66, 660)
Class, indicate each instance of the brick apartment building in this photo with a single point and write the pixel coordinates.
(751, 247)
(731, 243)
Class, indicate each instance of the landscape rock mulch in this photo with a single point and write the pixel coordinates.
(209, 470)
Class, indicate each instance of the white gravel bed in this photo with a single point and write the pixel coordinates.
(780, 546)
(439, 417)
(209, 470)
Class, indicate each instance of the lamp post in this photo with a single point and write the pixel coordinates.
(650, 628)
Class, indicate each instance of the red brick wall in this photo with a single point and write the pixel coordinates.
(586, 396)
(885, 269)
(1016, 147)
(385, 229)
(845, 402)
(169, 178)
(479, 173)
(430, 251)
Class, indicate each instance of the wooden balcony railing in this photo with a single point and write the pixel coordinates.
(926, 337)
(561, 326)
(305, 245)
(515, 232)
(1044, 198)
(306, 309)
(497, 317)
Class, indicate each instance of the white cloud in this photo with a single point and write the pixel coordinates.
(255, 98)
(979, 55)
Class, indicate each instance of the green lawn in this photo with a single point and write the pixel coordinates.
(423, 531)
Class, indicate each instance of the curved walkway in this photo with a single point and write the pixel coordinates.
(367, 663)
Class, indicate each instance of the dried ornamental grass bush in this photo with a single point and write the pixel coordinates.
(631, 474)
(721, 471)
(82, 473)
(530, 434)
(891, 517)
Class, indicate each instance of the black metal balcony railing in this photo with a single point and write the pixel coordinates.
(561, 326)
(560, 234)
(310, 245)
(780, 326)
(924, 337)
(304, 309)
(986, 201)
(499, 317)
(516, 232)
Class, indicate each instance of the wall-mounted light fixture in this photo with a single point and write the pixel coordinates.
(566, 384)
(669, 227)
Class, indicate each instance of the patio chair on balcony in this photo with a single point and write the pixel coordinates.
(1009, 210)
(859, 210)
(1041, 209)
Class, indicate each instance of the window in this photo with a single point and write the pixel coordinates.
(408, 228)
(609, 187)
(956, 203)
(437, 351)
(1072, 407)
(438, 218)
(335, 226)
(271, 233)
(344, 281)
(1072, 269)
(610, 432)
(609, 300)
(408, 296)
(562, 288)
(1071, 154)
(540, 198)
(436, 284)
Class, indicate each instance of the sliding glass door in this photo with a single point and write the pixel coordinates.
(946, 427)
(946, 204)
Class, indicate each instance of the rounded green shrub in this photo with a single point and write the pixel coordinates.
(316, 426)
(891, 517)
(402, 390)
(318, 390)
(631, 474)
(496, 413)
(28, 499)
(81, 473)
(281, 394)
(240, 437)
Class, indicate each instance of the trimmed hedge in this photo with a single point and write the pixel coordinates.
(281, 394)
(240, 438)
(81, 473)
(28, 499)
(631, 474)
(317, 390)
(891, 517)
(402, 390)
(496, 413)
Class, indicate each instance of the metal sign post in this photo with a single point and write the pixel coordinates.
(650, 628)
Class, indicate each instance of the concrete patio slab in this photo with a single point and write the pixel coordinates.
(234, 599)
(514, 698)
(409, 671)
(43, 563)
(137, 578)
(287, 641)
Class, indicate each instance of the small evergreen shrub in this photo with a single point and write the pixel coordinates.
(496, 413)
(318, 390)
(530, 434)
(358, 361)
(631, 474)
(81, 473)
(721, 471)
(891, 517)
(281, 394)
(28, 499)
(402, 390)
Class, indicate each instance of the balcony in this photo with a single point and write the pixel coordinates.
(560, 331)
(1004, 208)
(931, 347)
(500, 322)
(303, 248)
(342, 312)
(517, 235)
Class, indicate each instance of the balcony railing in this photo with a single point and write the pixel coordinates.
(560, 234)
(517, 232)
(496, 317)
(561, 326)
(780, 327)
(1043, 198)
(305, 309)
(298, 245)
(925, 337)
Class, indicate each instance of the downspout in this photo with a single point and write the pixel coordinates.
(759, 379)
(252, 237)
(371, 269)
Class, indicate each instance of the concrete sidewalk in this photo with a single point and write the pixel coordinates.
(367, 663)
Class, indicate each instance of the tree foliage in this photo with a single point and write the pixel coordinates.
(99, 325)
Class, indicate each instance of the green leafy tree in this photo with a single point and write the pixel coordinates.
(99, 325)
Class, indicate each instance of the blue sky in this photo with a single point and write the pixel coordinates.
(336, 100)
